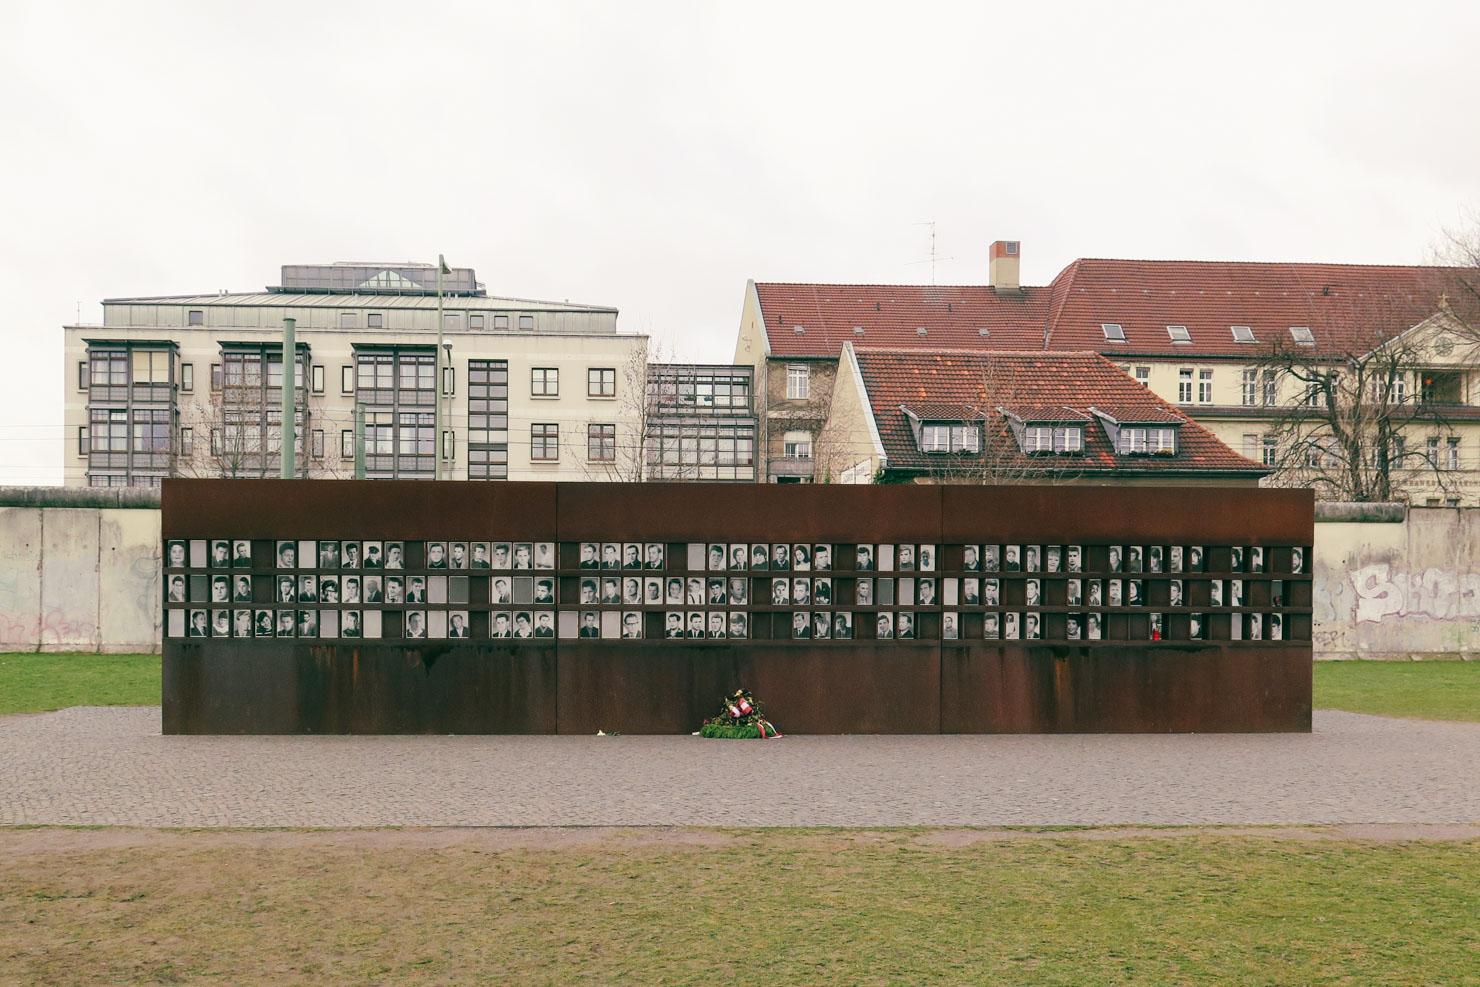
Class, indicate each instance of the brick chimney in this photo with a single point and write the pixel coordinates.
(1003, 268)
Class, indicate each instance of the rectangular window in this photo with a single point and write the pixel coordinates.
(374, 320)
(197, 317)
(349, 320)
(1251, 389)
(544, 442)
(1147, 440)
(475, 321)
(449, 445)
(346, 380)
(798, 385)
(1184, 385)
(187, 442)
(449, 380)
(1114, 331)
(1058, 439)
(1451, 453)
(601, 382)
(82, 442)
(1179, 334)
(317, 446)
(488, 419)
(1302, 336)
(797, 445)
(1271, 391)
(1242, 334)
(451, 321)
(501, 322)
(215, 376)
(1271, 451)
(1400, 389)
(1204, 387)
(601, 443)
(347, 444)
(544, 382)
(187, 377)
(1143, 376)
(526, 322)
(316, 377)
(151, 367)
(1038, 438)
(83, 375)
(215, 442)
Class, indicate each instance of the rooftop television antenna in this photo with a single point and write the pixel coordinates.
(933, 255)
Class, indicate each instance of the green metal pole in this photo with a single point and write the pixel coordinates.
(359, 441)
(437, 419)
(290, 397)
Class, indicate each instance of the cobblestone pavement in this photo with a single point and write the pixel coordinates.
(111, 766)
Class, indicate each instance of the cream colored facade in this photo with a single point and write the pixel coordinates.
(568, 340)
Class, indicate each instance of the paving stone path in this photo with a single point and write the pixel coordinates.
(111, 766)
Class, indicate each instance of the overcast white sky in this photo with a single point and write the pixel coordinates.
(654, 156)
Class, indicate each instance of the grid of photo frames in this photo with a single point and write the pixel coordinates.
(661, 591)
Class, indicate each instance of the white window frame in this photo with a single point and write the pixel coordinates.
(1244, 336)
(798, 381)
(1143, 377)
(797, 445)
(1179, 335)
(1302, 336)
(1114, 332)
(1184, 385)
(1205, 387)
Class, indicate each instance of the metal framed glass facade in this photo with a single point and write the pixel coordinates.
(397, 386)
(131, 413)
(488, 419)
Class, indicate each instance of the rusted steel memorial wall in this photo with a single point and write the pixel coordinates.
(415, 607)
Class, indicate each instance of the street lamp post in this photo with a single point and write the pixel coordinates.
(437, 418)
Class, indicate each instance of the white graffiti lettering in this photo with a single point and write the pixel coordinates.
(1438, 594)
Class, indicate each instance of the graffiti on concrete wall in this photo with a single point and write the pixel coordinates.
(1382, 592)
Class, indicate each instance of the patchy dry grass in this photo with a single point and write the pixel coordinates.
(773, 907)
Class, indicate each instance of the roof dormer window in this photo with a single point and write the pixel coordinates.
(1114, 331)
(1179, 334)
(949, 437)
(1302, 336)
(1137, 440)
(1242, 334)
(1049, 439)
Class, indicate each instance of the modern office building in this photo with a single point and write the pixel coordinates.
(192, 385)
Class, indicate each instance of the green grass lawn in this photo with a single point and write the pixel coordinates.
(778, 907)
(1428, 690)
(32, 683)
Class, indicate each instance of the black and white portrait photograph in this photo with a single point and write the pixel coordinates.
(544, 624)
(822, 558)
(478, 557)
(241, 554)
(971, 558)
(286, 624)
(1195, 626)
(436, 555)
(523, 625)
(501, 591)
(821, 625)
(780, 557)
(1032, 627)
(842, 626)
(416, 624)
(780, 591)
(457, 555)
(1236, 592)
(523, 556)
(1133, 560)
(1153, 558)
(1053, 558)
(716, 591)
(863, 592)
(821, 592)
(991, 558)
(328, 555)
(611, 556)
(1174, 558)
(502, 625)
(673, 625)
(350, 556)
(262, 623)
(631, 625)
(801, 591)
(904, 559)
(1117, 558)
(241, 623)
(1032, 558)
(925, 558)
(739, 591)
(1011, 625)
(1256, 559)
(1236, 559)
(1134, 593)
(1215, 593)
(287, 555)
(673, 590)
(695, 625)
(991, 592)
(1075, 558)
(220, 554)
(544, 555)
(884, 627)
(287, 589)
(863, 558)
(544, 590)
(632, 591)
(308, 623)
(350, 587)
(694, 591)
(760, 557)
(395, 589)
(801, 624)
(1256, 627)
(717, 558)
(200, 624)
(653, 555)
(590, 592)
(631, 556)
(1072, 595)
(1092, 593)
(1297, 560)
(948, 627)
(739, 624)
(1013, 559)
(395, 555)
(1195, 558)
(905, 627)
(175, 590)
(716, 625)
(308, 589)
(371, 590)
(739, 558)
(1033, 593)
(991, 626)
(801, 558)
(971, 592)
(1175, 591)
(611, 590)
(590, 555)
(1092, 623)
(221, 589)
(1072, 627)
(457, 624)
(1276, 627)
(221, 623)
(175, 556)
(1113, 593)
(416, 590)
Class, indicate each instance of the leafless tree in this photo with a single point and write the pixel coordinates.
(235, 434)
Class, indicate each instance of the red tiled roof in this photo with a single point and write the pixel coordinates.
(1075, 381)
(1344, 306)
